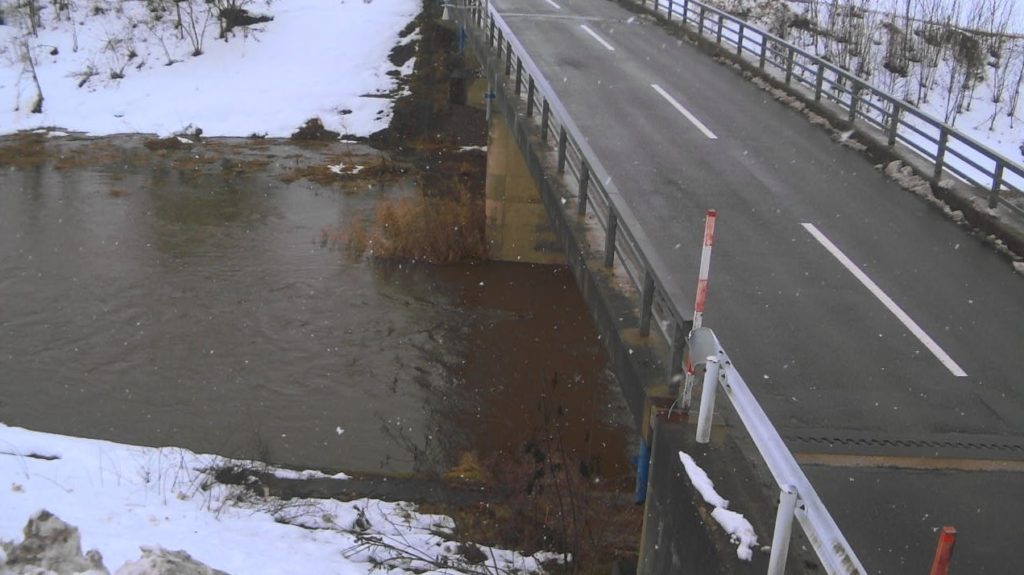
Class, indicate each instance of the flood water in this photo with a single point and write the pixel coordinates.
(162, 302)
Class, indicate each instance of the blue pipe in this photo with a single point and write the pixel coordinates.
(643, 471)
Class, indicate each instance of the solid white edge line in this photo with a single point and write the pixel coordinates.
(556, 6)
(693, 119)
(598, 38)
(901, 315)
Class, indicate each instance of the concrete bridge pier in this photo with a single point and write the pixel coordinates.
(518, 228)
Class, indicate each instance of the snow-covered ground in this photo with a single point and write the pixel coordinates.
(122, 497)
(316, 58)
(988, 113)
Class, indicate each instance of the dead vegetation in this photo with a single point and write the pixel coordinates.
(553, 498)
(23, 150)
(347, 169)
(314, 131)
(430, 229)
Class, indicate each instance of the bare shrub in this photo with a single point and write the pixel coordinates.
(437, 230)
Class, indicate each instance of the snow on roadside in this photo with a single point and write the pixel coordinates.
(122, 497)
(320, 58)
(739, 529)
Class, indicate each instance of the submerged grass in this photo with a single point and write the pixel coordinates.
(436, 230)
(23, 150)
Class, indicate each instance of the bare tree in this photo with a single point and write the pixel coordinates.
(28, 62)
(197, 19)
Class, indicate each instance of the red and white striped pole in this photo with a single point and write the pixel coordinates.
(702, 294)
(705, 267)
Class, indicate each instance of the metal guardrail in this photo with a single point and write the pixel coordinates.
(797, 497)
(660, 299)
(944, 146)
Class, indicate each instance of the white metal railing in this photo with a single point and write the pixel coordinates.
(660, 300)
(946, 148)
(797, 497)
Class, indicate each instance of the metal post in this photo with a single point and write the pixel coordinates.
(545, 119)
(718, 35)
(940, 153)
(675, 364)
(854, 102)
(739, 43)
(700, 21)
(563, 140)
(581, 207)
(707, 400)
(764, 52)
(646, 303)
(789, 64)
(819, 79)
(783, 531)
(670, 7)
(529, 98)
(609, 239)
(519, 75)
(894, 122)
(997, 184)
(508, 57)
(686, 11)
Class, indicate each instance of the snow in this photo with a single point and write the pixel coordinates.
(740, 531)
(316, 58)
(122, 497)
(701, 482)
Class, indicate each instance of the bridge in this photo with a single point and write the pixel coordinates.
(881, 337)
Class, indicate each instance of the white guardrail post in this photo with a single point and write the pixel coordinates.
(707, 400)
(783, 531)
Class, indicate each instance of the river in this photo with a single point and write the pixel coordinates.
(189, 298)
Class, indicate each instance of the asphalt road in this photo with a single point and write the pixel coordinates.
(933, 350)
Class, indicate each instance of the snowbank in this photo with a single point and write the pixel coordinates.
(123, 497)
(325, 58)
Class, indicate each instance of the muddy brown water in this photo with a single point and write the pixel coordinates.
(148, 298)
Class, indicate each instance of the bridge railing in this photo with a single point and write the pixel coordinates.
(659, 298)
(623, 238)
(946, 148)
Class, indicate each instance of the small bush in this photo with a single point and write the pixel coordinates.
(434, 230)
(314, 131)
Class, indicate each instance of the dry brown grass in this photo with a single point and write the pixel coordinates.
(429, 229)
(375, 168)
(168, 143)
(23, 150)
(100, 154)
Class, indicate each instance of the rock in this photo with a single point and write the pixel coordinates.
(156, 560)
(50, 546)
(1019, 266)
